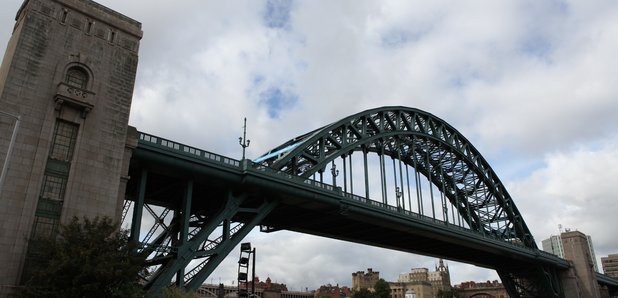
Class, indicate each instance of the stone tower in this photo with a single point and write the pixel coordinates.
(66, 84)
(362, 280)
(441, 278)
(577, 251)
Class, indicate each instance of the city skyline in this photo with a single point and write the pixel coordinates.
(531, 86)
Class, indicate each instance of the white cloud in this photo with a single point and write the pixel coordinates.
(575, 188)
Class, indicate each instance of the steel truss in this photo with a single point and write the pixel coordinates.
(437, 151)
(531, 281)
(183, 245)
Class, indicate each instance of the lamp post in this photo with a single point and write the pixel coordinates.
(398, 195)
(5, 166)
(244, 143)
(335, 172)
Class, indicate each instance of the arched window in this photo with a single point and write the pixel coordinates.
(77, 77)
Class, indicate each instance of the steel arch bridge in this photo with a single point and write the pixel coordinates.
(435, 196)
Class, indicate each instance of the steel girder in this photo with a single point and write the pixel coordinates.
(184, 245)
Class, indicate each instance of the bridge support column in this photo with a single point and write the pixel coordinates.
(192, 236)
(138, 207)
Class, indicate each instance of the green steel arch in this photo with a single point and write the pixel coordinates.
(420, 140)
(445, 157)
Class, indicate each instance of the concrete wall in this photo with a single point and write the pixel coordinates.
(581, 280)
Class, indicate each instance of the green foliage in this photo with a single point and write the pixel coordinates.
(382, 289)
(177, 293)
(92, 258)
(452, 293)
(362, 293)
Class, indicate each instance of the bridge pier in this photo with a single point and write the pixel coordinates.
(579, 280)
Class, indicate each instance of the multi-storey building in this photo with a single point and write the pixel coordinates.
(554, 245)
(610, 265)
(66, 84)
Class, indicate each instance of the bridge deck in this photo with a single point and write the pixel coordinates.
(308, 206)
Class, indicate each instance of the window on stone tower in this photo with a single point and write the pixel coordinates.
(77, 77)
(65, 136)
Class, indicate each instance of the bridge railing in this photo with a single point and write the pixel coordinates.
(188, 150)
(411, 214)
(279, 174)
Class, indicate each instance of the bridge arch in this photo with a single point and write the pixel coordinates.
(418, 140)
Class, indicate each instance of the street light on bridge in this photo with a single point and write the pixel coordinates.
(244, 143)
(335, 172)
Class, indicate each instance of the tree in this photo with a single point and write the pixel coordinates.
(174, 292)
(362, 293)
(452, 293)
(92, 258)
(382, 289)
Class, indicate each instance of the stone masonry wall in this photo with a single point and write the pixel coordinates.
(49, 37)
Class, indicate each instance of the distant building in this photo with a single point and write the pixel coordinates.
(411, 289)
(221, 291)
(610, 265)
(441, 278)
(333, 291)
(488, 289)
(362, 280)
(554, 245)
(268, 285)
(418, 283)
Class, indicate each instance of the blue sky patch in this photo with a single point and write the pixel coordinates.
(537, 46)
(276, 100)
(399, 36)
(277, 13)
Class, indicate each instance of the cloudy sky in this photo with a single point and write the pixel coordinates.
(532, 84)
